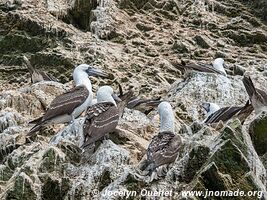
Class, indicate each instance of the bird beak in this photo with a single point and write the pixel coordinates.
(91, 71)
(206, 106)
(116, 98)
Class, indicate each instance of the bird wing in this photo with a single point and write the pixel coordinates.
(249, 86)
(163, 148)
(48, 77)
(257, 97)
(244, 112)
(62, 104)
(135, 102)
(66, 103)
(101, 118)
(206, 68)
(223, 114)
(199, 67)
(261, 96)
(143, 105)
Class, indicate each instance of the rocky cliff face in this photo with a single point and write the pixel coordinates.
(136, 41)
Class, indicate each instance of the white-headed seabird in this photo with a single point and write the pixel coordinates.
(38, 76)
(163, 148)
(210, 107)
(68, 106)
(224, 114)
(217, 67)
(218, 64)
(257, 97)
(102, 117)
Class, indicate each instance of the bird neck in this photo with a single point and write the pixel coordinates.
(219, 67)
(81, 79)
(167, 121)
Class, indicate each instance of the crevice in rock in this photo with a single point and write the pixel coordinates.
(4, 152)
(80, 15)
(117, 138)
(105, 180)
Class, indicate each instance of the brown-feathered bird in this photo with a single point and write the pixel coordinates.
(143, 105)
(217, 67)
(133, 102)
(226, 113)
(68, 106)
(102, 117)
(257, 97)
(164, 147)
(36, 75)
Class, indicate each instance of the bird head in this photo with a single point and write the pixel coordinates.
(210, 107)
(218, 63)
(106, 94)
(91, 71)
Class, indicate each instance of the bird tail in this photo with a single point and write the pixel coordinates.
(34, 129)
(36, 121)
(85, 144)
(247, 104)
(245, 112)
(247, 108)
(38, 125)
(250, 88)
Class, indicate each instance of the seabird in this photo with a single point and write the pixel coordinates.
(164, 147)
(210, 107)
(124, 98)
(224, 114)
(38, 76)
(217, 67)
(257, 97)
(68, 106)
(143, 105)
(134, 102)
(102, 117)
